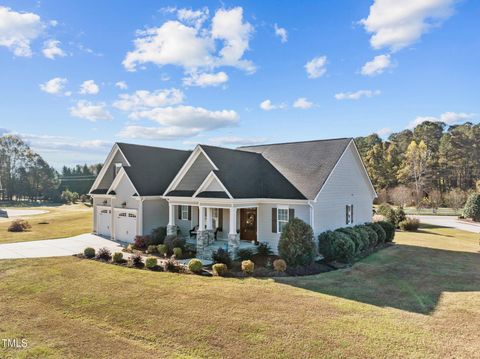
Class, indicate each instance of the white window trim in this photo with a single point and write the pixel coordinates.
(183, 210)
(349, 212)
(286, 208)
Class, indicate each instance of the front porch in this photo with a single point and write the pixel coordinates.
(209, 227)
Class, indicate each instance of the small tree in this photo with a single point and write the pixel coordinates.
(456, 199)
(435, 199)
(401, 196)
(472, 207)
(296, 243)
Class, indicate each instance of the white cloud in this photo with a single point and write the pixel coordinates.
(51, 49)
(281, 33)
(316, 67)
(158, 133)
(193, 17)
(189, 117)
(302, 103)
(90, 111)
(267, 105)
(205, 79)
(449, 118)
(122, 85)
(236, 141)
(89, 87)
(63, 143)
(54, 86)
(17, 30)
(356, 95)
(193, 47)
(378, 65)
(384, 131)
(396, 24)
(144, 99)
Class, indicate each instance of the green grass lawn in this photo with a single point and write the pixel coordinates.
(60, 221)
(420, 298)
(429, 212)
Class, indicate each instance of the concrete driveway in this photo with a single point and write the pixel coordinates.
(56, 247)
(449, 221)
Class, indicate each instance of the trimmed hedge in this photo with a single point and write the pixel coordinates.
(389, 230)
(372, 236)
(381, 235)
(296, 245)
(355, 237)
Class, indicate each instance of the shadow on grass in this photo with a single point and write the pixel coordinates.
(405, 277)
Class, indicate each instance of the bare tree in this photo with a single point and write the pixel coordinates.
(401, 196)
(435, 199)
(456, 199)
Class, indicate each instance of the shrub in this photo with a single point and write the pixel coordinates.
(89, 252)
(388, 212)
(104, 254)
(279, 265)
(389, 230)
(344, 247)
(244, 254)
(263, 249)
(151, 262)
(372, 236)
(325, 245)
(117, 257)
(399, 216)
(222, 256)
(152, 249)
(219, 269)
(69, 197)
(378, 218)
(158, 235)
(248, 266)
(177, 252)
(130, 247)
(355, 237)
(363, 235)
(472, 207)
(141, 242)
(136, 260)
(381, 235)
(172, 241)
(296, 243)
(170, 265)
(195, 265)
(410, 224)
(162, 249)
(19, 225)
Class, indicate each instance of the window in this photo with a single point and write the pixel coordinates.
(116, 168)
(131, 215)
(349, 214)
(282, 218)
(215, 218)
(184, 213)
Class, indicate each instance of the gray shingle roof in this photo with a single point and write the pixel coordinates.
(306, 165)
(249, 175)
(152, 168)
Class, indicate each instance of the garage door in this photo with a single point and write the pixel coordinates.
(125, 225)
(104, 218)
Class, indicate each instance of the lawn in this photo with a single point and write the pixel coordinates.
(420, 298)
(59, 222)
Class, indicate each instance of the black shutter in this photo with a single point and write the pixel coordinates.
(179, 209)
(189, 213)
(351, 213)
(274, 220)
(347, 207)
(291, 213)
(220, 219)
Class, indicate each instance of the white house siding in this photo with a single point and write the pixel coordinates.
(98, 201)
(348, 184)
(108, 177)
(124, 194)
(264, 222)
(155, 214)
(195, 175)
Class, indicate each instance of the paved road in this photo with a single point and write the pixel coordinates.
(449, 221)
(56, 247)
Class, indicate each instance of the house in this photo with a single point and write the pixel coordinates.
(232, 197)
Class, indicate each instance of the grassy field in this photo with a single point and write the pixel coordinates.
(429, 212)
(420, 298)
(59, 222)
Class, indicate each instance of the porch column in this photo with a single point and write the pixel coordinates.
(233, 236)
(209, 219)
(201, 218)
(171, 227)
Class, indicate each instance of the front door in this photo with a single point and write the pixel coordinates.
(248, 224)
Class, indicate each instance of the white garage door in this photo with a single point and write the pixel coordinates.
(104, 218)
(125, 225)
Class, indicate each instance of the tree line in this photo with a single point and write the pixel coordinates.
(25, 175)
(430, 165)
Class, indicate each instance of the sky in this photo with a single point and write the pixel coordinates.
(78, 76)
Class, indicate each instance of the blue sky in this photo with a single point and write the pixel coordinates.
(78, 76)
